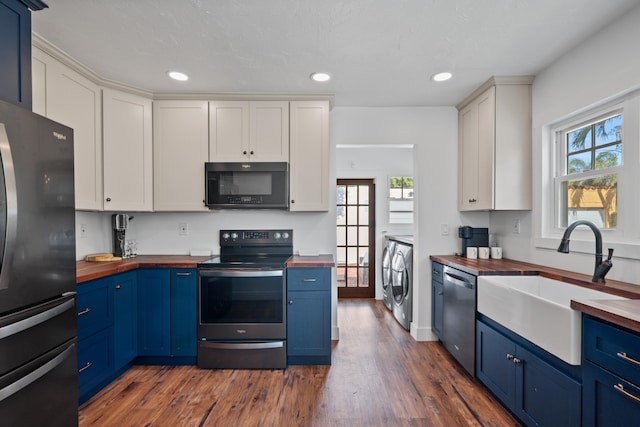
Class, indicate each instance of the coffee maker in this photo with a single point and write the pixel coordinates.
(120, 224)
(473, 237)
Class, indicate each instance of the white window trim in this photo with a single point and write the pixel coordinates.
(625, 239)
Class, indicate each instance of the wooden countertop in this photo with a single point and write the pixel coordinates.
(320, 261)
(625, 313)
(86, 271)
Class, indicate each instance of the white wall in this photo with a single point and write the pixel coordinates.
(433, 133)
(602, 67)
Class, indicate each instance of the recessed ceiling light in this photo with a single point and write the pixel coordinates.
(176, 75)
(441, 77)
(320, 77)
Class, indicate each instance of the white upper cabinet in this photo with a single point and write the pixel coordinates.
(309, 151)
(65, 96)
(494, 146)
(249, 131)
(181, 148)
(127, 152)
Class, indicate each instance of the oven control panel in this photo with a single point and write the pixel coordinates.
(256, 237)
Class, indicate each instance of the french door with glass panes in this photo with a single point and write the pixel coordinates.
(355, 227)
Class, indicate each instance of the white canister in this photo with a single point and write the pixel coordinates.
(472, 253)
(496, 252)
(483, 252)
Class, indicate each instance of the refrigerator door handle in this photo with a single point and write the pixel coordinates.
(12, 207)
(33, 376)
(31, 321)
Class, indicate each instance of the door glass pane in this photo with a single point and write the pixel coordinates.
(352, 236)
(364, 195)
(342, 255)
(352, 215)
(363, 236)
(363, 219)
(352, 256)
(341, 215)
(352, 195)
(363, 277)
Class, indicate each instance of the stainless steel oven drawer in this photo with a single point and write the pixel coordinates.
(242, 354)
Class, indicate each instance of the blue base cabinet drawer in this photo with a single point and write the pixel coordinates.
(611, 374)
(95, 363)
(95, 306)
(608, 399)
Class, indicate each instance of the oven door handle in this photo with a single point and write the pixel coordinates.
(243, 345)
(241, 273)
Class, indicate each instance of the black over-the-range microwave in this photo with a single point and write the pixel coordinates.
(247, 185)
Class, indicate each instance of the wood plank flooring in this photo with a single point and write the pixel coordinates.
(379, 376)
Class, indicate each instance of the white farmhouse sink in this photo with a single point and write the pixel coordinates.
(538, 309)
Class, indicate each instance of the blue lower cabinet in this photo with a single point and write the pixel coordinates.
(125, 319)
(534, 390)
(154, 312)
(611, 374)
(95, 363)
(309, 316)
(183, 312)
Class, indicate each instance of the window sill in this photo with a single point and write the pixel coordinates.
(586, 246)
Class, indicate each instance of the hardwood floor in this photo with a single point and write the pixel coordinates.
(379, 376)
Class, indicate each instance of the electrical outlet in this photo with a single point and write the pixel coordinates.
(516, 226)
(83, 231)
(444, 229)
(183, 229)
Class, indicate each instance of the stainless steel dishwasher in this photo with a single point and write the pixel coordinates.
(459, 312)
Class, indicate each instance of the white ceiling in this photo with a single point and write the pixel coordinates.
(380, 52)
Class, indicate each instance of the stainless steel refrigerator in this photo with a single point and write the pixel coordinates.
(38, 317)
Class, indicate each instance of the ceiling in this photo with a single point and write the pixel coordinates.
(379, 52)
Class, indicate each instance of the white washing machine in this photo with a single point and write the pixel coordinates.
(388, 251)
(402, 281)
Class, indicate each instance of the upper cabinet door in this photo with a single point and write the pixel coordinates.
(180, 150)
(249, 131)
(75, 101)
(269, 131)
(128, 156)
(309, 151)
(229, 131)
(15, 53)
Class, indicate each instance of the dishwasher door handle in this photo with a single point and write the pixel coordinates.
(460, 281)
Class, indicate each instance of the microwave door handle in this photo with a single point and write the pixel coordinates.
(12, 207)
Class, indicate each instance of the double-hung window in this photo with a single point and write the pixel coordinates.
(401, 200)
(595, 176)
(591, 160)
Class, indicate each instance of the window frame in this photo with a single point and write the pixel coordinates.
(625, 238)
(562, 175)
(392, 199)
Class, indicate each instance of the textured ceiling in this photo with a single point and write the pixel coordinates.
(380, 52)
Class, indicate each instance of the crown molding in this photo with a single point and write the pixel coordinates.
(66, 59)
(495, 81)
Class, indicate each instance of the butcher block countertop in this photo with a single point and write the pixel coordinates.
(319, 261)
(625, 313)
(86, 271)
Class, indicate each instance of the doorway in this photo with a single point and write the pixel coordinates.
(355, 228)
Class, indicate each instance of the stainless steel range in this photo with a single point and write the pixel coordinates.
(242, 321)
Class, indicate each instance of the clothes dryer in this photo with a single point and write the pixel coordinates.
(388, 251)
(402, 283)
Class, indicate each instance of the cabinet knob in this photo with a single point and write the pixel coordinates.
(244, 152)
(108, 199)
(118, 287)
(251, 152)
(517, 361)
(509, 356)
(290, 302)
(293, 201)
